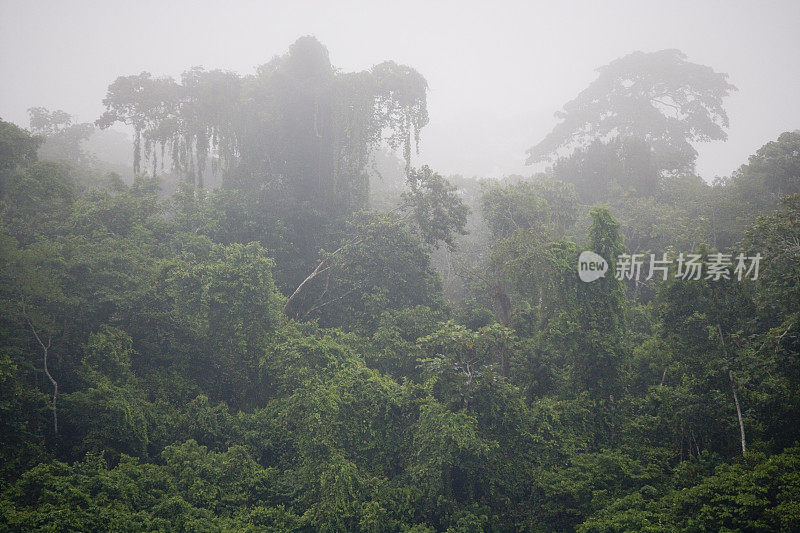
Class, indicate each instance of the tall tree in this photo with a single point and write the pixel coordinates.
(298, 127)
(17, 146)
(62, 136)
(657, 97)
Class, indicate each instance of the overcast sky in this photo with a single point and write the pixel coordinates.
(497, 70)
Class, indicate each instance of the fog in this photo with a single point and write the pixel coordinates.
(497, 71)
(395, 267)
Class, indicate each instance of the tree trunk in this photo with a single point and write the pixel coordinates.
(502, 313)
(738, 413)
(735, 396)
(501, 304)
(55, 388)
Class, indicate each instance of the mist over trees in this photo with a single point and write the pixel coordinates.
(278, 323)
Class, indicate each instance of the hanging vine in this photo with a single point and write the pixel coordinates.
(190, 121)
(315, 122)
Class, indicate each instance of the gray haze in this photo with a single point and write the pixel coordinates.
(497, 70)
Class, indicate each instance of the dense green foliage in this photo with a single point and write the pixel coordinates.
(274, 355)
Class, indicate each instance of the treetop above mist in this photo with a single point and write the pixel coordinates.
(658, 97)
(298, 120)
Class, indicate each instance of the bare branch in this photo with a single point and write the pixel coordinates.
(321, 267)
(45, 350)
